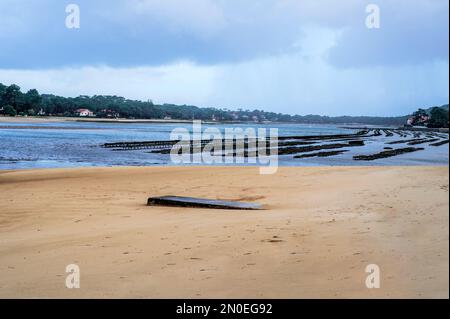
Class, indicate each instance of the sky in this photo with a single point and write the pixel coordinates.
(289, 56)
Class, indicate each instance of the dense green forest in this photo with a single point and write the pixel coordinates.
(14, 102)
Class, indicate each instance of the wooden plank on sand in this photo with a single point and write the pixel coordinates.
(178, 201)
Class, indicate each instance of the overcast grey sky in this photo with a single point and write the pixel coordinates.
(290, 56)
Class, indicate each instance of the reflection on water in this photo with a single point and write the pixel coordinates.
(73, 144)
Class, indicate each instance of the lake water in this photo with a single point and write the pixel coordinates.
(76, 144)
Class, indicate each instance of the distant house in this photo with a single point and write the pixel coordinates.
(84, 112)
(420, 120)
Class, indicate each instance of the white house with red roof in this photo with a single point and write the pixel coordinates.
(84, 112)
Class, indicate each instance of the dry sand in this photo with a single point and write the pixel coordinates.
(322, 227)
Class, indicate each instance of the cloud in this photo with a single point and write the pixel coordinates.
(130, 33)
(298, 85)
(294, 56)
(15, 19)
(410, 32)
(199, 17)
(290, 83)
(179, 83)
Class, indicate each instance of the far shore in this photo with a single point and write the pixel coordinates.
(61, 119)
(57, 119)
(404, 128)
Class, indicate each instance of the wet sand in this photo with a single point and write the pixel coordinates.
(321, 228)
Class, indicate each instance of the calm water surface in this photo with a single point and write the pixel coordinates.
(75, 144)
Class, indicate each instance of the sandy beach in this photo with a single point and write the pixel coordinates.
(320, 229)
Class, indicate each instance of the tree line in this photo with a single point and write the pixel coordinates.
(434, 117)
(15, 102)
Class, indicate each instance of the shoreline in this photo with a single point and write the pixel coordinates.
(322, 226)
(56, 119)
(103, 145)
(349, 126)
(400, 128)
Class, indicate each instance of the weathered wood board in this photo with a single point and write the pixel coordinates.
(178, 201)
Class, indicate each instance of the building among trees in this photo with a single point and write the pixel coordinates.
(84, 112)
